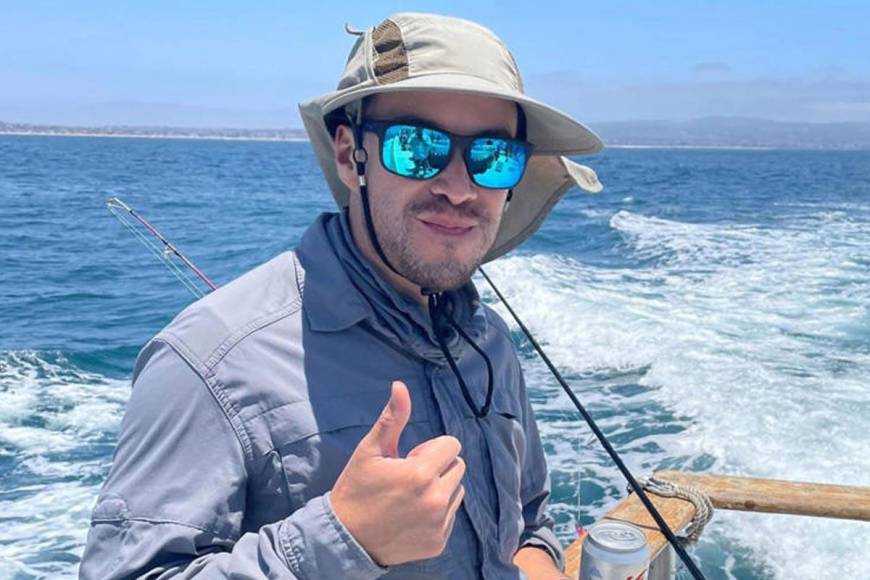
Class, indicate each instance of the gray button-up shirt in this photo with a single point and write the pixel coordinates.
(247, 406)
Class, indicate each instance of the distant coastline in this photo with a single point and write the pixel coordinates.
(128, 132)
(180, 136)
(609, 145)
(708, 133)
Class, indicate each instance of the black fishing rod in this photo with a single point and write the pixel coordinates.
(114, 204)
(635, 486)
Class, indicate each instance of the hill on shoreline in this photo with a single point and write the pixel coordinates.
(737, 132)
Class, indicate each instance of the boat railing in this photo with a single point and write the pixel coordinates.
(729, 493)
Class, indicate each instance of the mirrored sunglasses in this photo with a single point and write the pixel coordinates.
(420, 152)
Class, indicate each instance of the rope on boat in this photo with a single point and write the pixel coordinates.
(703, 506)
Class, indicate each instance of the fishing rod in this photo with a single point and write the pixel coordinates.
(119, 209)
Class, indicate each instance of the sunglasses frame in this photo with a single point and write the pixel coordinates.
(379, 127)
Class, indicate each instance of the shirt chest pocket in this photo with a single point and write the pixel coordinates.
(320, 436)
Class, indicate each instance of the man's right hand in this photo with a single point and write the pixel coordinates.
(400, 509)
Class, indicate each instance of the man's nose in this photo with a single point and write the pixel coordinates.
(453, 182)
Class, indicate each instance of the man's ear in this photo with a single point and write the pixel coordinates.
(343, 145)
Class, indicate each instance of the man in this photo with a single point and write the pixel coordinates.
(257, 442)
(420, 154)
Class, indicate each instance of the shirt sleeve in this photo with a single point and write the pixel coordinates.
(535, 491)
(174, 500)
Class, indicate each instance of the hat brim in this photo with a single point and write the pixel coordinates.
(548, 174)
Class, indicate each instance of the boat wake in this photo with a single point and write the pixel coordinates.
(57, 430)
(735, 349)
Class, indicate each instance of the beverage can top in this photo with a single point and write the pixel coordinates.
(617, 537)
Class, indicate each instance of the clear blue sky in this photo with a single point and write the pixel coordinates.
(250, 62)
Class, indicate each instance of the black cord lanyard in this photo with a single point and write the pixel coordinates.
(438, 314)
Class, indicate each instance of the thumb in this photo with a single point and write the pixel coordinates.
(383, 439)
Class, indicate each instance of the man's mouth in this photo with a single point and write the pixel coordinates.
(447, 225)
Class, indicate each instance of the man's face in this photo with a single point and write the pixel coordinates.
(435, 232)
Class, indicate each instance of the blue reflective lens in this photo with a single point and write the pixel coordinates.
(416, 152)
(496, 163)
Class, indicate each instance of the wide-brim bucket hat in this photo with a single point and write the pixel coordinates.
(428, 52)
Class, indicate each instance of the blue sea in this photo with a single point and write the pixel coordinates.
(710, 307)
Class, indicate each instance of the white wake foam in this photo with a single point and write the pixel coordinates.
(755, 340)
(51, 416)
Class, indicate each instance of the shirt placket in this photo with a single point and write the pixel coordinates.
(481, 501)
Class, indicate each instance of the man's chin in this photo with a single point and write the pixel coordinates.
(441, 276)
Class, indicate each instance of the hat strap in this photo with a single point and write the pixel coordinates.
(361, 157)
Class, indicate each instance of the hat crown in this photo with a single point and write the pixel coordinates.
(409, 45)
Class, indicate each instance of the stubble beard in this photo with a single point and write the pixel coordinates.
(395, 236)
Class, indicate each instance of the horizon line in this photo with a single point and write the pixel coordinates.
(302, 129)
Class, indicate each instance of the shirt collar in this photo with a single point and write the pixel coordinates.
(330, 300)
(343, 288)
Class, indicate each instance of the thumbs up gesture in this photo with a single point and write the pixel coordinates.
(400, 509)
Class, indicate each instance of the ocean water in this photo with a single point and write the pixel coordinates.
(709, 307)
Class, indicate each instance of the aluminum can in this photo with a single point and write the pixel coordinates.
(614, 551)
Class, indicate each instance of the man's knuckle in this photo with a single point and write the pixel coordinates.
(438, 502)
(420, 477)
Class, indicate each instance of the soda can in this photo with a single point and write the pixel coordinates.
(614, 551)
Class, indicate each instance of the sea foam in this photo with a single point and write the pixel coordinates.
(743, 350)
(56, 424)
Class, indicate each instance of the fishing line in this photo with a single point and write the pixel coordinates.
(182, 276)
(635, 486)
(116, 206)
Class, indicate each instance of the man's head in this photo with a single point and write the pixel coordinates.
(460, 77)
(434, 232)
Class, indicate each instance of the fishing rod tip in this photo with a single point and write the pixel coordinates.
(116, 202)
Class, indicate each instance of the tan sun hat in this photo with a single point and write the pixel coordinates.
(415, 52)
